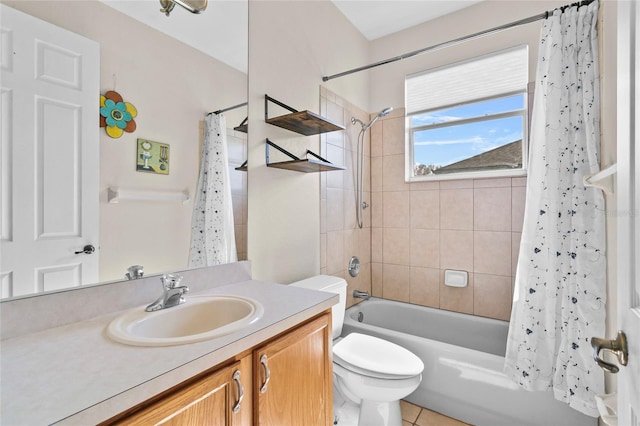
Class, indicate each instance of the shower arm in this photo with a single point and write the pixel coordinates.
(168, 5)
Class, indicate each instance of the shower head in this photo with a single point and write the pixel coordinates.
(382, 113)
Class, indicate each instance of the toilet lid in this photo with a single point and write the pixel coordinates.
(376, 355)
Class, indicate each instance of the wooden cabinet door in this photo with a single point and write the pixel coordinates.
(209, 400)
(293, 377)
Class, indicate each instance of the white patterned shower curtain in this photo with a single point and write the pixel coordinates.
(559, 297)
(212, 231)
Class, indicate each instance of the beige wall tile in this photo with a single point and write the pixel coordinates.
(425, 209)
(491, 210)
(323, 215)
(393, 173)
(364, 244)
(425, 248)
(366, 179)
(519, 181)
(395, 246)
(366, 213)
(375, 135)
(456, 184)
(376, 174)
(492, 252)
(376, 279)
(456, 209)
(335, 178)
(457, 299)
(492, 183)
(395, 209)
(456, 250)
(376, 209)
(335, 252)
(351, 246)
(323, 250)
(518, 195)
(349, 175)
(425, 287)
(393, 136)
(395, 282)
(376, 245)
(335, 113)
(492, 296)
(335, 209)
(430, 185)
(349, 209)
(336, 139)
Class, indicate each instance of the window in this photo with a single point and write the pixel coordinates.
(468, 119)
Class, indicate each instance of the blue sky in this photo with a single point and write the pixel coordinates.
(446, 145)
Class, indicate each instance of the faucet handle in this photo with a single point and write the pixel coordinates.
(170, 281)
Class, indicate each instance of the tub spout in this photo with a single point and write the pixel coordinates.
(361, 294)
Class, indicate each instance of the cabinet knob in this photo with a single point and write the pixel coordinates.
(267, 373)
(236, 377)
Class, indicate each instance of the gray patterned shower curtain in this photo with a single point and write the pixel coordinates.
(212, 229)
(559, 296)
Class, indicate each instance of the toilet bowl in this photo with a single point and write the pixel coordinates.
(370, 375)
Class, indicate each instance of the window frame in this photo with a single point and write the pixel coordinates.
(411, 131)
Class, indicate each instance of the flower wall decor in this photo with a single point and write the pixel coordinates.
(116, 115)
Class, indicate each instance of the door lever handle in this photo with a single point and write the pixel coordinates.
(619, 347)
(88, 249)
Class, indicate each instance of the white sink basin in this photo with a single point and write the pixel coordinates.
(199, 318)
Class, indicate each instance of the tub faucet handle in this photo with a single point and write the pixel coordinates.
(361, 294)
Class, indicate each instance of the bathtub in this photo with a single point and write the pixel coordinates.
(463, 359)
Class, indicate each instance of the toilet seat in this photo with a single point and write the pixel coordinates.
(375, 357)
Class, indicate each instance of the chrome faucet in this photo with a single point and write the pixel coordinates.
(172, 293)
(361, 294)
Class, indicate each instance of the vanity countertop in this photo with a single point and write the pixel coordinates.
(75, 374)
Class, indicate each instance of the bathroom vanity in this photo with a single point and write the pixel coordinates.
(72, 373)
(284, 381)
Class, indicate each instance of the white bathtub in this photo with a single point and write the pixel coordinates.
(463, 357)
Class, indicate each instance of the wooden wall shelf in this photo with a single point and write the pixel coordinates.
(303, 122)
(305, 165)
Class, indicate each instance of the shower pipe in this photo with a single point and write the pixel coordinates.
(453, 42)
(361, 205)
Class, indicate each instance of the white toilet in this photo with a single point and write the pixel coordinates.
(370, 375)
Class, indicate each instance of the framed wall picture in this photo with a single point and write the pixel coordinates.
(152, 157)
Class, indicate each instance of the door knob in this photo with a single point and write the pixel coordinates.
(619, 348)
(88, 249)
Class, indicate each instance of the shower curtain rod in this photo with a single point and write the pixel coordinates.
(543, 15)
(228, 109)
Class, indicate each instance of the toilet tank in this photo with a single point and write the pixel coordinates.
(329, 284)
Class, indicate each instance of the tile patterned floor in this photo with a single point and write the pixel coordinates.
(413, 415)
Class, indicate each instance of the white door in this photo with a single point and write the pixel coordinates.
(50, 155)
(628, 200)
